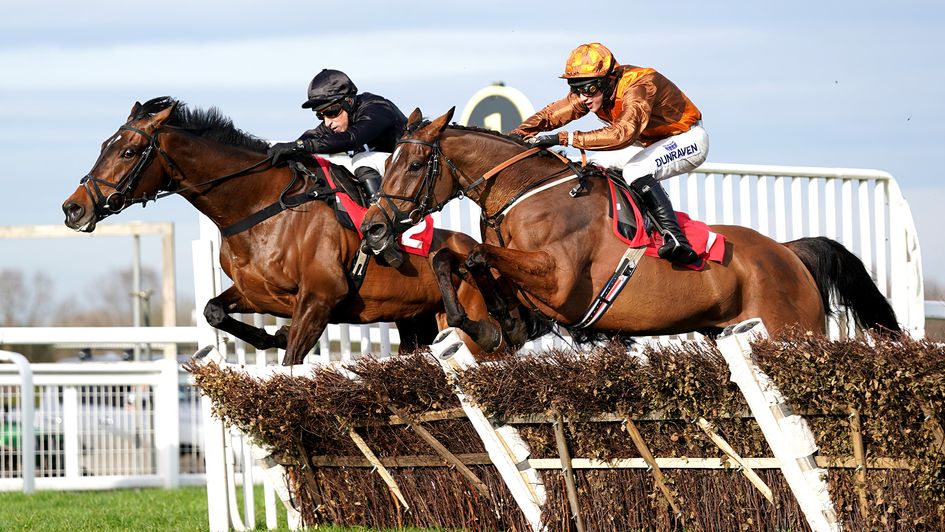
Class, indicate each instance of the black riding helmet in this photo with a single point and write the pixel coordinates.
(327, 87)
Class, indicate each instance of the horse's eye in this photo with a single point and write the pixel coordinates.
(128, 153)
(416, 165)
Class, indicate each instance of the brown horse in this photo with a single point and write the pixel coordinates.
(560, 251)
(289, 263)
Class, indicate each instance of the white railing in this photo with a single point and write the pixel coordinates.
(862, 209)
(97, 426)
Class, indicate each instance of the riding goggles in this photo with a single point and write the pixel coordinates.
(588, 88)
(330, 112)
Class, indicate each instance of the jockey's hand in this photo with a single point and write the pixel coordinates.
(282, 150)
(543, 141)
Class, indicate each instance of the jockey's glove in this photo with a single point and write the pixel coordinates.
(281, 150)
(543, 141)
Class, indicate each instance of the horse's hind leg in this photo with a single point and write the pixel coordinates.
(484, 333)
(218, 310)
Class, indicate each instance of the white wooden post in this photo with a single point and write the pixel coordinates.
(787, 434)
(27, 416)
(206, 288)
(167, 423)
(507, 450)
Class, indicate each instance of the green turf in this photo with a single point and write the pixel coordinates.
(181, 509)
(134, 509)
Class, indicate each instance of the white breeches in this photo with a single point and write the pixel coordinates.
(669, 157)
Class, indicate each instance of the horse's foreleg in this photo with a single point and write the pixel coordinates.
(532, 271)
(498, 305)
(218, 310)
(416, 332)
(484, 333)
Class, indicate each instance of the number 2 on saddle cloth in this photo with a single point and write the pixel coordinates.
(416, 240)
(630, 227)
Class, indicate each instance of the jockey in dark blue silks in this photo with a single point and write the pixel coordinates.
(364, 125)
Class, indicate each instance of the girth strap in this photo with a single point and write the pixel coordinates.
(613, 287)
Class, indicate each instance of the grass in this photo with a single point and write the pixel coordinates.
(178, 510)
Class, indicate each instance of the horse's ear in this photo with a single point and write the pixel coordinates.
(158, 118)
(134, 110)
(415, 117)
(440, 123)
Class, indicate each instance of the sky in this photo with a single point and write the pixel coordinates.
(834, 84)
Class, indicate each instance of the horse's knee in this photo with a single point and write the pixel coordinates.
(214, 313)
(476, 261)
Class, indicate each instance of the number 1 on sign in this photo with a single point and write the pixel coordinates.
(493, 121)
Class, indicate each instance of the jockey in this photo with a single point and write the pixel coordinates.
(640, 106)
(365, 125)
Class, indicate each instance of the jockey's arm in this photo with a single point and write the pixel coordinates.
(625, 129)
(552, 116)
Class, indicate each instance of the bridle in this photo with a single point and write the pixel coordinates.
(423, 196)
(119, 200)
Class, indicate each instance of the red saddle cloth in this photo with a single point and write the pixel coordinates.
(706, 243)
(416, 240)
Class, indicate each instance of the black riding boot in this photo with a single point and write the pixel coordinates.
(369, 178)
(675, 246)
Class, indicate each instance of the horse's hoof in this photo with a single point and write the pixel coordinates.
(492, 342)
(392, 257)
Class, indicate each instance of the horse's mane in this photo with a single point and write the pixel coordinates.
(492, 132)
(210, 123)
(423, 123)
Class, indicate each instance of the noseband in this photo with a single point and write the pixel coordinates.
(423, 198)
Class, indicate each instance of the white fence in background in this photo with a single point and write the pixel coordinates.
(97, 425)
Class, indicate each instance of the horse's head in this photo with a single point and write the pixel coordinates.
(415, 183)
(125, 172)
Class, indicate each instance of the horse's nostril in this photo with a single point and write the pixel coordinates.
(377, 230)
(73, 210)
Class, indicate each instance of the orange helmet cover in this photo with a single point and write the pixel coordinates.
(591, 60)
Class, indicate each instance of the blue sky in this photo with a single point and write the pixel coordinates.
(847, 84)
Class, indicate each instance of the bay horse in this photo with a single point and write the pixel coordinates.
(290, 263)
(559, 249)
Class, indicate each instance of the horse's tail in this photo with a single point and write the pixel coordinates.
(840, 273)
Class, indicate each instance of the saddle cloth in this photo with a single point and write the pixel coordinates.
(630, 226)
